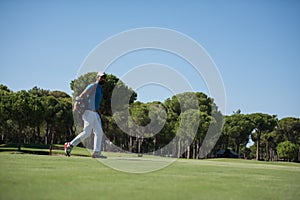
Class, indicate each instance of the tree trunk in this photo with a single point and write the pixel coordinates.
(34, 136)
(258, 148)
(178, 149)
(47, 134)
(194, 149)
(198, 149)
(238, 149)
(267, 151)
(188, 150)
(154, 144)
(271, 153)
(70, 134)
(52, 137)
(299, 154)
(139, 145)
(39, 134)
(227, 142)
(20, 133)
(130, 143)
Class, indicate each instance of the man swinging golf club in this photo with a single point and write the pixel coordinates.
(90, 115)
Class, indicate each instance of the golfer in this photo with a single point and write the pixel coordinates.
(91, 117)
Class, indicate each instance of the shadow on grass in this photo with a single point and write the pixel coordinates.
(37, 149)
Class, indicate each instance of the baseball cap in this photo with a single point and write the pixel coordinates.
(101, 74)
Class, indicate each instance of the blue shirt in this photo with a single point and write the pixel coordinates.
(95, 96)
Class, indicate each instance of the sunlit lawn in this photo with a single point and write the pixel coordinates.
(25, 176)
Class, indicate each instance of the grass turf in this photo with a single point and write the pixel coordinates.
(24, 176)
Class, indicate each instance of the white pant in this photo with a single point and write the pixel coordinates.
(92, 122)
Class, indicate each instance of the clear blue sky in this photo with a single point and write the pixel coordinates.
(255, 44)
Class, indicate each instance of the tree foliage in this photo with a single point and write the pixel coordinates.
(238, 127)
(263, 124)
(35, 116)
(287, 150)
(188, 123)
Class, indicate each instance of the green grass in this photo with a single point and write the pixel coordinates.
(41, 149)
(27, 176)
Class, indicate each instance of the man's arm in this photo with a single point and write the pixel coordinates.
(83, 94)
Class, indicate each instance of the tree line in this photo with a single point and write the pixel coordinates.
(39, 116)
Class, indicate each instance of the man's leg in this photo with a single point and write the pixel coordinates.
(87, 129)
(98, 133)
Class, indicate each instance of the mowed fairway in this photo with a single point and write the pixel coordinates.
(26, 176)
